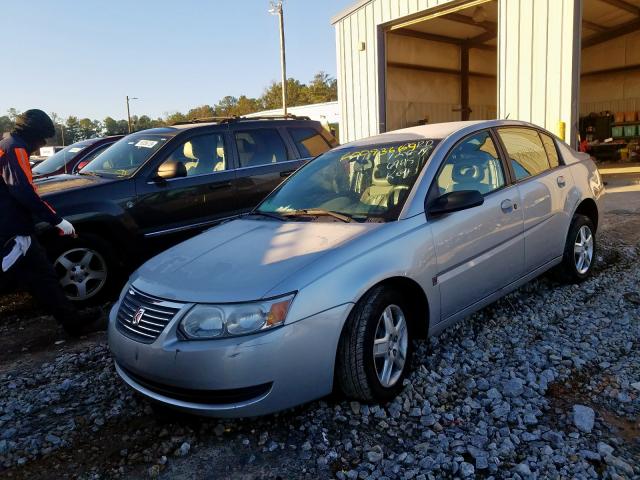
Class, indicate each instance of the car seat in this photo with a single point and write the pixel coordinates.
(381, 192)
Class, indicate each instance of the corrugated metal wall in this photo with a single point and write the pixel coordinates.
(358, 85)
(537, 62)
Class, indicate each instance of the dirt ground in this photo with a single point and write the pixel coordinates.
(29, 340)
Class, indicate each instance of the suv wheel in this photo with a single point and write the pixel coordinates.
(580, 250)
(374, 354)
(85, 268)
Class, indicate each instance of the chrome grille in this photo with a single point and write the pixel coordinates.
(142, 317)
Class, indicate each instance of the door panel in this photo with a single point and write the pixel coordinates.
(264, 161)
(481, 249)
(207, 192)
(546, 221)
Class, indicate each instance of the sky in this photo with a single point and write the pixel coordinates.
(82, 57)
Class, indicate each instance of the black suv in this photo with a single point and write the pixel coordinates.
(157, 187)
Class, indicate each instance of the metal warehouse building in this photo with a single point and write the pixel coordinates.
(406, 62)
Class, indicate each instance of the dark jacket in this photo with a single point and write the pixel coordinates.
(19, 201)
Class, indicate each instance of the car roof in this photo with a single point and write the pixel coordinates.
(433, 131)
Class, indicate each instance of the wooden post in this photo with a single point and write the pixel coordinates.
(464, 81)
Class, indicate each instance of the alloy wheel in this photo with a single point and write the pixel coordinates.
(82, 273)
(583, 250)
(390, 345)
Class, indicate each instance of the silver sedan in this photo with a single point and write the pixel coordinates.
(327, 283)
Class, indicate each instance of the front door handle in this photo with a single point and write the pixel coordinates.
(287, 173)
(561, 181)
(506, 205)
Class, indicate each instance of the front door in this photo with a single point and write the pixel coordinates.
(479, 250)
(202, 195)
(264, 162)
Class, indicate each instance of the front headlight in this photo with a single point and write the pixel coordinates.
(222, 321)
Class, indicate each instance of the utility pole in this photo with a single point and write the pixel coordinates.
(276, 9)
(128, 112)
(62, 132)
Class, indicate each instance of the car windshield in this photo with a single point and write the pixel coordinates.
(361, 183)
(60, 159)
(124, 157)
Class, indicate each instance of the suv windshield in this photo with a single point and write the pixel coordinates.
(60, 159)
(124, 157)
(361, 183)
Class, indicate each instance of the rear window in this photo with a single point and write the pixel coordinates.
(309, 142)
(527, 155)
(262, 146)
(552, 151)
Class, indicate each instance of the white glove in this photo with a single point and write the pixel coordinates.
(66, 228)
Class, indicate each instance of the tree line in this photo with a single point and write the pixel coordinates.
(322, 88)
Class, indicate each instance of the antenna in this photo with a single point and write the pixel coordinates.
(507, 117)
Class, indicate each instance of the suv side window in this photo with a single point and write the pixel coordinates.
(473, 164)
(526, 152)
(310, 142)
(552, 151)
(262, 146)
(201, 155)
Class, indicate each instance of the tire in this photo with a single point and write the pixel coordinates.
(358, 374)
(578, 260)
(86, 268)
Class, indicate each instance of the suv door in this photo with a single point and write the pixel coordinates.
(264, 161)
(479, 250)
(543, 184)
(202, 195)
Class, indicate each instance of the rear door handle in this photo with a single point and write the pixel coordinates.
(287, 173)
(507, 205)
(218, 186)
(561, 181)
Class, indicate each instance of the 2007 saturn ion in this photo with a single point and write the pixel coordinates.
(369, 246)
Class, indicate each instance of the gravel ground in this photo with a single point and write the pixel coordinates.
(543, 384)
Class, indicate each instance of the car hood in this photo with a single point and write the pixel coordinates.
(57, 183)
(241, 260)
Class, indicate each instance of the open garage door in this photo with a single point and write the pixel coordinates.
(610, 79)
(442, 67)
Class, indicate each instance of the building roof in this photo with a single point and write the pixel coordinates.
(349, 10)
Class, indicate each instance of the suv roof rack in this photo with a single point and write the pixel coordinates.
(236, 118)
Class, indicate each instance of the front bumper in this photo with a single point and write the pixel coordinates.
(234, 377)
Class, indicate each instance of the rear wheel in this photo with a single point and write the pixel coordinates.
(374, 353)
(85, 267)
(580, 250)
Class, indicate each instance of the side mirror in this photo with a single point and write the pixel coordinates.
(171, 169)
(80, 166)
(455, 201)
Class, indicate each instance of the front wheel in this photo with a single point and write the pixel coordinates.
(580, 250)
(374, 353)
(85, 267)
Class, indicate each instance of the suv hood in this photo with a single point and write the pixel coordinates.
(49, 185)
(240, 260)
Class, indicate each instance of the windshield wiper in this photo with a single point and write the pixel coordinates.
(266, 214)
(317, 212)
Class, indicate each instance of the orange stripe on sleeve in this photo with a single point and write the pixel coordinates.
(23, 160)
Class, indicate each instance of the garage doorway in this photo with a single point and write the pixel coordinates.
(610, 80)
(442, 66)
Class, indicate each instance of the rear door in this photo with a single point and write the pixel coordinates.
(543, 184)
(479, 250)
(264, 161)
(192, 202)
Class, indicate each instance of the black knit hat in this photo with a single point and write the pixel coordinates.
(35, 124)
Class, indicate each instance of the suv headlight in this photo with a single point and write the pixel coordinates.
(223, 321)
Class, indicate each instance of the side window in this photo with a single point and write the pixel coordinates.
(550, 148)
(310, 143)
(260, 147)
(473, 164)
(201, 155)
(526, 152)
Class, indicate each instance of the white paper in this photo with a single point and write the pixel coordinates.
(146, 143)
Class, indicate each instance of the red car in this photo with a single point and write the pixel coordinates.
(72, 158)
